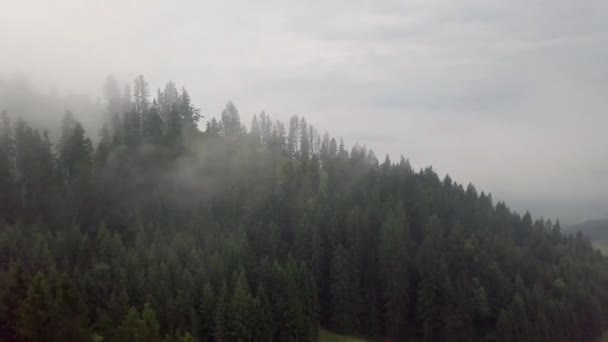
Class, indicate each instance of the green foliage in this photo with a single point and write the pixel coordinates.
(136, 327)
(344, 292)
(52, 310)
(242, 311)
(13, 290)
(167, 233)
(327, 336)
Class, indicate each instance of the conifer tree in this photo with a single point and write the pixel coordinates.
(256, 133)
(394, 267)
(189, 115)
(241, 310)
(141, 94)
(13, 290)
(343, 291)
(293, 139)
(231, 121)
(221, 315)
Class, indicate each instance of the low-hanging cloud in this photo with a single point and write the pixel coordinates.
(507, 94)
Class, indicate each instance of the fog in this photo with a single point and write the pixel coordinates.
(508, 95)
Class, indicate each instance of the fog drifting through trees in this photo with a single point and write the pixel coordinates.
(159, 230)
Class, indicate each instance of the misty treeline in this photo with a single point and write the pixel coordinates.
(44, 109)
(164, 232)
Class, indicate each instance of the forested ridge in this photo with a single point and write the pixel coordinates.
(160, 231)
(595, 230)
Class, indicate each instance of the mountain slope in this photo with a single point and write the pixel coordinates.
(268, 233)
(595, 230)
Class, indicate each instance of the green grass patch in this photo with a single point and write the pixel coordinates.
(328, 336)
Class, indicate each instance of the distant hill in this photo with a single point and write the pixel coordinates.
(595, 230)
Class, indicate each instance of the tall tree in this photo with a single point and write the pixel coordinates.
(256, 132)
(394, 240)
(75, 149)
(305, 142)
(52, 305)
(343, 291)
(141, 96)
(242, 310)
(293, 139)
(152, 125)
(7, 159)
(231, 121)
(189, 114)
(13, 291)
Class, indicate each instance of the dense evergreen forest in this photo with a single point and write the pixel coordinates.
(160, 231)
(595, 230)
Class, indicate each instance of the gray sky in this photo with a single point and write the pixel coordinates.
(510, 95)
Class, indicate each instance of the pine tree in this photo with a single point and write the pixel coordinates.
(167, 100)
(342, 153)
(152, 126)
(136, 327)
(256, 133)
(394, 269)
(263, 329)
(173, 127)
(293, 138)
(343, 291)
(294, 315)
(36, 315)
(333, 149)
(265, 128)
(189, 115)
(519, 314)
(8, 188)
(324, 152)
(504, 327)
(150, 329)
(277, 140)
(103, 147)
(131, 128)
(214, 128)
(110, 319)
(52, 305)
(305, 144)
(231, 121)
(141, 94)
(75, 150)
(435, 286)
(206, 311)
(241, 311)
(127, 100)
(13, 290)
(433, 299)
(221, 315)
(130, 327)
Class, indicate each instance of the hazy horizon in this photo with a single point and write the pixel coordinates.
(509, 96)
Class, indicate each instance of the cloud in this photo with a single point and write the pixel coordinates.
(507, 94)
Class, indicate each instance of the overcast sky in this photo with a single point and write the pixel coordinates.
(510, 95)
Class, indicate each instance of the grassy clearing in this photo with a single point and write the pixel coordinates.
(328, 336)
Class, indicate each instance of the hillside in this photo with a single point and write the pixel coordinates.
(165, 232)
(595, 230)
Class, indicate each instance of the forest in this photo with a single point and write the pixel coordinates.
(158, 230)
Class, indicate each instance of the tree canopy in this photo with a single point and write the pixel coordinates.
(166, 232)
